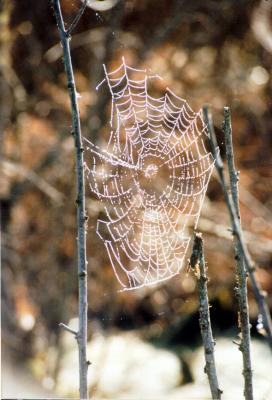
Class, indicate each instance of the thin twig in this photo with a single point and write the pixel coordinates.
(70, 330)
(261, 24)
(53, 154)
(259, 294)
(211, 226)
(77, 18)
(197, 263)
(240, 265)
(34, 178)
(81, 213)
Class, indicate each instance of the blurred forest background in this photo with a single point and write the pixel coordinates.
(215, 52)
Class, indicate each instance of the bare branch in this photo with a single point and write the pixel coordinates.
(81, 213)
(241, 270)
(197, 263)
(259, 294)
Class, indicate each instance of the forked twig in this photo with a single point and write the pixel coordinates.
(77, 18)
(81, 335)
(197, 263)
(259, 294)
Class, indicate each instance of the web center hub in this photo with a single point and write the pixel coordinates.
(151, 171)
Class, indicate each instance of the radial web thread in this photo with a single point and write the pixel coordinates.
(151, 176)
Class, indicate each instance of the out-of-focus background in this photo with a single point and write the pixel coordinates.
(144, 343)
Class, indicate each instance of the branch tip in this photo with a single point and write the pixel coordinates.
(70, 330)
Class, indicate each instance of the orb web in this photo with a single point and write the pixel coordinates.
(151, 176)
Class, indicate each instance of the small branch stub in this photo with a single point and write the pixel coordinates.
(68, 329)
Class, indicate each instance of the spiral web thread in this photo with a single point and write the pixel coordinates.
(151, 176)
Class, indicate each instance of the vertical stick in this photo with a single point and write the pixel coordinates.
(243, 261)
(197, 263)
(240, 265)
(80, 201)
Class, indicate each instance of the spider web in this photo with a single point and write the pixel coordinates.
(151, 175)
